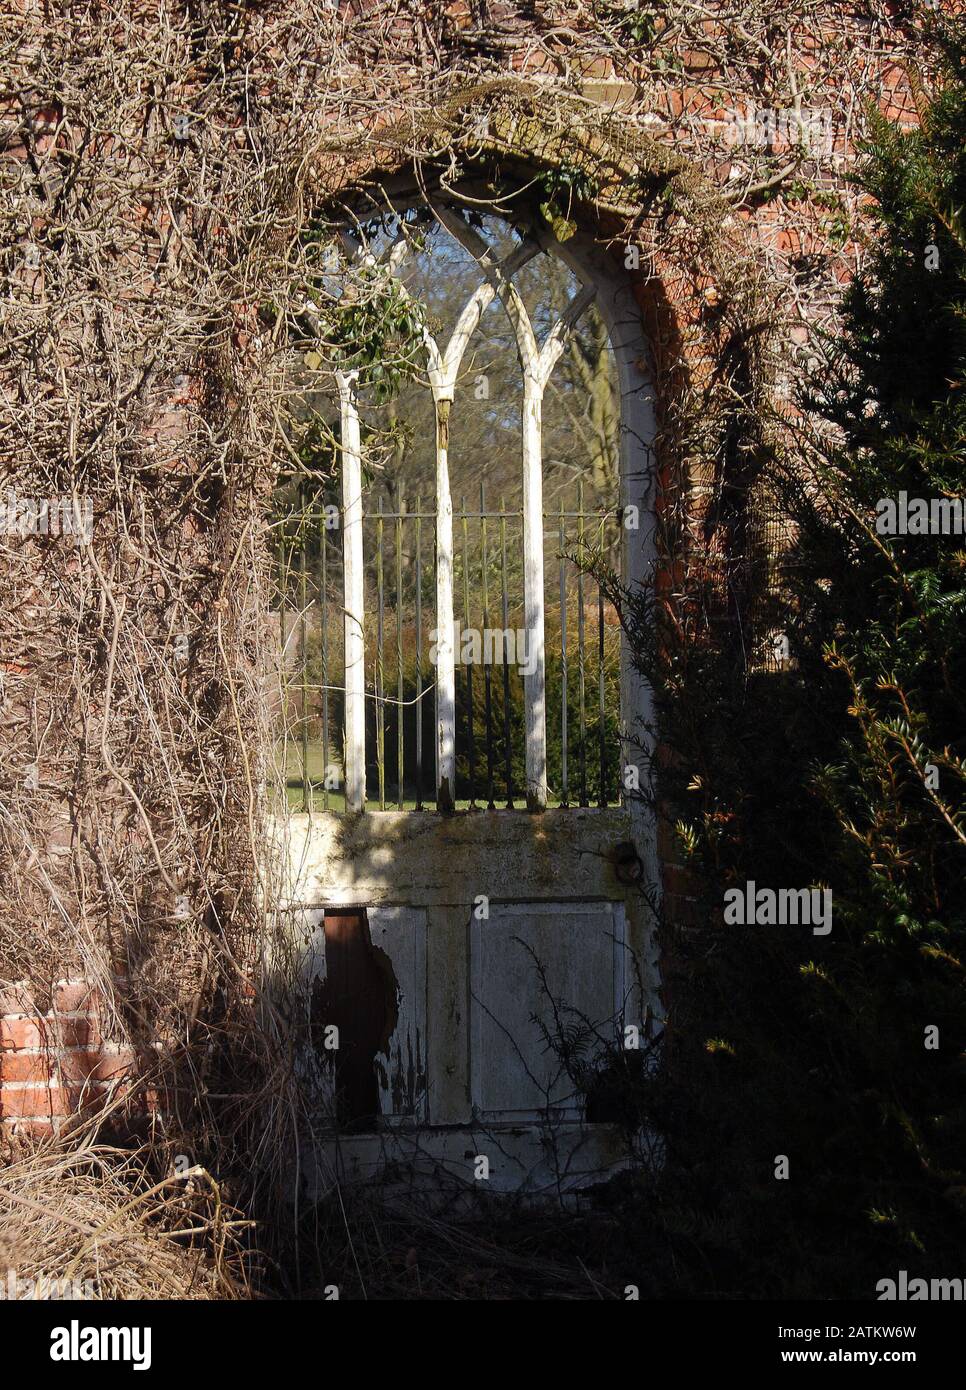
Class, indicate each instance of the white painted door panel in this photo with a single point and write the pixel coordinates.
(536, 967)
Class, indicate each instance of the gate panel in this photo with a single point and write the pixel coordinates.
(541, 971)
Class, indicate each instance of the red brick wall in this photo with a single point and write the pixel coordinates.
(57, 1063)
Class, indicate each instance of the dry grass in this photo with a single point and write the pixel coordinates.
(93, 1216)
(381, 1247)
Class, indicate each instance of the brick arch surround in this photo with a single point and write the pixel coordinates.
(710, 310)
(649, 234)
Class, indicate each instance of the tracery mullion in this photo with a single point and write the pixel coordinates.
(443, 370)
(353, 571)
(537, 363)
(353, 587)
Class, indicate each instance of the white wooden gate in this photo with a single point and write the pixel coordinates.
(455, 956)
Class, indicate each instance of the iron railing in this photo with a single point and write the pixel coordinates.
(582, 653)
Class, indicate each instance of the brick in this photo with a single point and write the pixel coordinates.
(23, 1032)
(27, 1066)
(30, 1101)
(677, 880)
(698, 60)
(86, 1064)
(62, 1030)
(30, 1129)
(74, 996)
(78, 1030)
(786, 241)
(16, 999)
(680, 911)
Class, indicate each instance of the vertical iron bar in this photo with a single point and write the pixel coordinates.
(564, 789)
(469, 664)
(283, 651)
(380, 667)
(581, 676)
(436, 672)
(505, 610)
(400, 732)
(419, 654)
(601, 727)
(303, 642)
(324, 638)
(487, 675)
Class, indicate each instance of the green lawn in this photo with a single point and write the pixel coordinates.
(290, 753)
